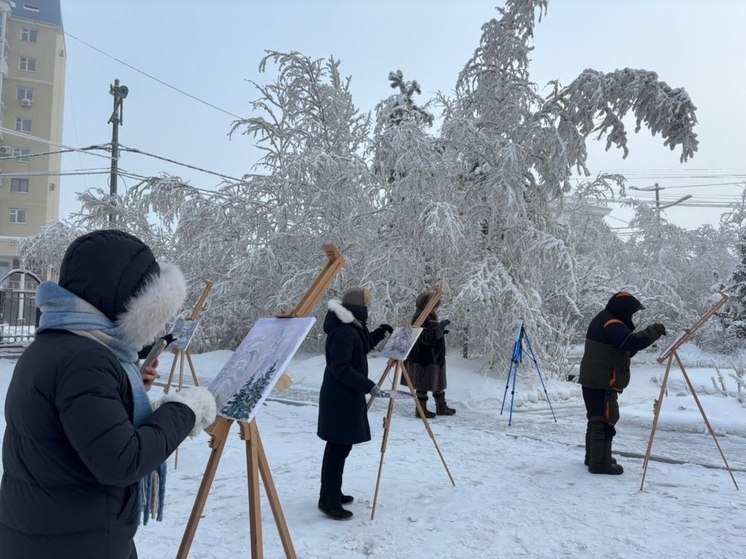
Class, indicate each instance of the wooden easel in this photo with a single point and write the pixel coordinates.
(256, 459)
(400, 371)
(670, 354)
(179, 354)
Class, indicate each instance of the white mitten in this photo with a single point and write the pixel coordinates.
(200, 401)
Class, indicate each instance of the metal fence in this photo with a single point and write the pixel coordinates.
(19, 316)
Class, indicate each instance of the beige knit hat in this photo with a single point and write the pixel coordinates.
(358, 296)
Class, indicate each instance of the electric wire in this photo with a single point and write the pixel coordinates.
(25, 156)
(221, 175)
(153, 77)
(25, 136)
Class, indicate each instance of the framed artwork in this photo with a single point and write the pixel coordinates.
(401, 342)
(252, 371)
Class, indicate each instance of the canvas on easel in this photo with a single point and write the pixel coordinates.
(183, 332)
(400, 342)
(256, 460)
(400, 350)
(252, 371)
(669, 355)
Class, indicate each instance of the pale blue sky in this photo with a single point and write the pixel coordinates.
(210, 50)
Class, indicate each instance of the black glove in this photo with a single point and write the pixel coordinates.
(443, 325)
(659, 328)
(387, 328)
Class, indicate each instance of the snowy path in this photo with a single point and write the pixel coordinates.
(521, 491)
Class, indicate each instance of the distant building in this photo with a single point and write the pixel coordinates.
(32, 80)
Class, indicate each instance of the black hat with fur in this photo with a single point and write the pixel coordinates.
(117, 273)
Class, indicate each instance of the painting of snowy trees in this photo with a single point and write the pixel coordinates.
(252, 371)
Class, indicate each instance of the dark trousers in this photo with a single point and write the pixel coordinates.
(601, 406)
(332, 469)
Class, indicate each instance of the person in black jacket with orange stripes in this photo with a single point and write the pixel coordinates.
(604, 373)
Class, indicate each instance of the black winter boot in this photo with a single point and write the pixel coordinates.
(441, 408)
(336, 512)
(605, 466)
(588, 446)
(423, 405)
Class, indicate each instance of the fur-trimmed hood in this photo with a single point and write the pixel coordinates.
(117, 273)
(342, 313)
(149, 311)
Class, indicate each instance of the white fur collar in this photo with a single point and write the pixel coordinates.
(150, 310)
(343, 314)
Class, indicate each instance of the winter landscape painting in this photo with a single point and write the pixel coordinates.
(253, 369)
(401, 342)
(183, 332)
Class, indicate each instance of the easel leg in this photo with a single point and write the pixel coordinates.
(181, 370)
(656, 416)
(380, 381)
(219, 434)
(702, 411)
(170, 374)
(191, 367)
(425, 421)
(384, 442)
(274, 500)
(252, 468)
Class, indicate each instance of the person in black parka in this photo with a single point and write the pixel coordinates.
(604, 373)
(83, 451)
(343, 413)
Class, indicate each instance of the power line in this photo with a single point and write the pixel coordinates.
(133, 150)
(25, 136)
(153, 77)
(22, 157)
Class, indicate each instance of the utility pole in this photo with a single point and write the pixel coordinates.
(120, 94)
(657, 189)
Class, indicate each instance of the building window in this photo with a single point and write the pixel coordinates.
(17, 215)
(31, 7)
(29, 35)
(24, 93)
(22, 154)
(23, 124)
(18, 185)
(27, 63)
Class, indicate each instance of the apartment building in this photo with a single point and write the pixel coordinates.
(32, 79)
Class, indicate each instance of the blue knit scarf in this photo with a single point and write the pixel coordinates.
(63, 310)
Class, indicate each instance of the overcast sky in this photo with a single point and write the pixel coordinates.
(211, 50)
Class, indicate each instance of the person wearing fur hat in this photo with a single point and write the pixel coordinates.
(343, 413)
(426, 363)
(604, 373)
(83, 452)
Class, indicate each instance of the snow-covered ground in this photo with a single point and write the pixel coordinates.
(520, 490)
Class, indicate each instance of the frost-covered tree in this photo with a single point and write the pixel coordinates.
(418, 229)
(43, 252)
(736, 315)
(476, 204)
(516, 152)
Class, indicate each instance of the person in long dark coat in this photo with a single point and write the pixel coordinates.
(605, 372)
(83, 452)
(343, 413)
(426, 363)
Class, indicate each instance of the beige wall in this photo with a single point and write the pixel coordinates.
(47, 80)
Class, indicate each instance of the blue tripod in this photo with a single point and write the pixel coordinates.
(515, 361)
